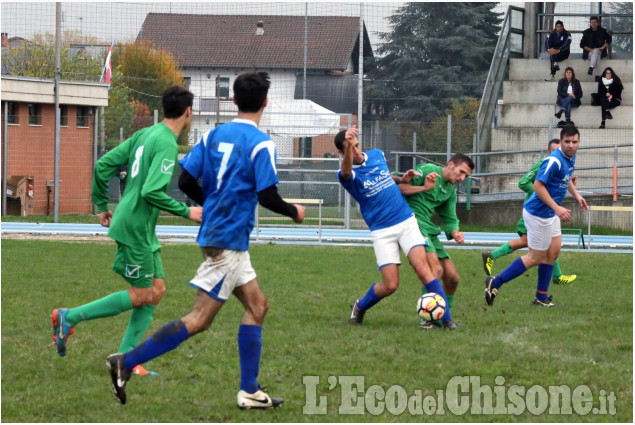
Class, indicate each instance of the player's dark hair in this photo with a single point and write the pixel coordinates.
(176, 100)
(339, 140)
(250, 91)
(569, 130)
(460, 158)
(552, 142)
(594, 18)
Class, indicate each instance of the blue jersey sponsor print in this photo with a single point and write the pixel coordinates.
(376, 192)
(555, 172)
(235, 161)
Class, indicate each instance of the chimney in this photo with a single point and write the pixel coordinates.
(260, 28)
(5, 39)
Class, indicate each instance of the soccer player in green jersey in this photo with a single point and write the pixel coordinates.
(440, 199)
(151, 155)
(526, 183)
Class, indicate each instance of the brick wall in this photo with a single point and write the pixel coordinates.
(31, 152)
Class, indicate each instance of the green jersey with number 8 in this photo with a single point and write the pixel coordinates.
(151, 155)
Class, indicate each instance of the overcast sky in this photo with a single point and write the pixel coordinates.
(122, 21)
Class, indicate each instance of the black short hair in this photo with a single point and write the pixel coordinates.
(594, 18)
(339, 140)
(250, 91)
(460, 158)
(569, 130)
(176, 100)
(553, 142)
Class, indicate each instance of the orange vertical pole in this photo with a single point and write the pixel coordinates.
(614, 183)
(615, 173)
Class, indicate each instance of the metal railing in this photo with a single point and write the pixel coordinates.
(494, 82)
(545, 20)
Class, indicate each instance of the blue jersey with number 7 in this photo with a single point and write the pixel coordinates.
(235, 161)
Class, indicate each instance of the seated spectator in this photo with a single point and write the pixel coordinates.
(569, 95)
(610, 93)
(595, 43)
(557, 45)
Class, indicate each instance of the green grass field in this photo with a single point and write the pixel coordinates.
(586, 340)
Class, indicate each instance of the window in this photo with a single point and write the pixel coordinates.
(305, 147)
(223, 87)
(63, 116)
(35, 114)
(187, 81)
(82, 116)
(12, 115)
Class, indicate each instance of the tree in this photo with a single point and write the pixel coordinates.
(432, 136)
(36, 58)
(120, 111)
(622, 43)
(434, 53)
(140, 75)
(146, 72)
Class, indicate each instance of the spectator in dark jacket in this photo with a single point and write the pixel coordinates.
(595, 43)
(569, 95)
(610, 93)
(557, 45)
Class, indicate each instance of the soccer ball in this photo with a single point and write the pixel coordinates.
(431, 306)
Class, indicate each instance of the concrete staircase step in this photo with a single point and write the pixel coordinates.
(538, 69)
(537, 92)
(509, 138)
(588, 117)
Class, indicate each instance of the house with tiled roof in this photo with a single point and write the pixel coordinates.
(213, 49)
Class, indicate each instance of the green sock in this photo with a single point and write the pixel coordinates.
(140, 320)
(556, 270)
(502, 251)
(450, 299)
(110, 305)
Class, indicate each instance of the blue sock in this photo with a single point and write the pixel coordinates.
(515, 269)
(165, 339)
(369, 300)
(249, 348)
(436, 287)
(544, 279)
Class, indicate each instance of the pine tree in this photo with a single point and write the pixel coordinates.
(435, 52)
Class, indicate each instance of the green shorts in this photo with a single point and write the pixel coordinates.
(520, 227)
(138, 267)
(435, 245)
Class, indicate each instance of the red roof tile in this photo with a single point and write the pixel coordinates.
(231, 40)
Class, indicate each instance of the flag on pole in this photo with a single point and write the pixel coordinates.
(108, 66)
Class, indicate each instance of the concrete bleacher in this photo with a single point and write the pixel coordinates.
(530, 101)
(527, 110)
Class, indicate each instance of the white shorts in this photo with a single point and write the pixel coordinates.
(221, 273)
(387, 241)
(540, 231)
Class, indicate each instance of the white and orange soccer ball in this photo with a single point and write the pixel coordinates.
(431, 307)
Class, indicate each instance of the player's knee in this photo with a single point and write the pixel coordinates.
(453, 279)
(437, 270)
(259, 310)
(158, 291)
(391, 286)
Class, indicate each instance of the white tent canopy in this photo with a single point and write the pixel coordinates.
(298, 118)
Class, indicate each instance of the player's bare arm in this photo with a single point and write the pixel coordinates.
(578, 198)
(350, 143)
(430, 181)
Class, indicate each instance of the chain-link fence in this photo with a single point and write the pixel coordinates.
(314, 61)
